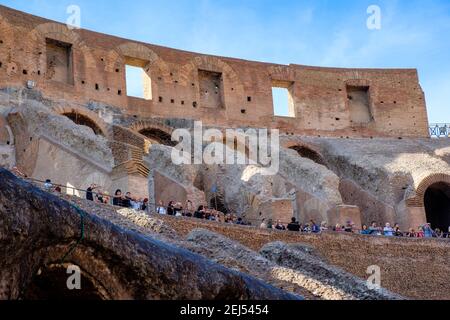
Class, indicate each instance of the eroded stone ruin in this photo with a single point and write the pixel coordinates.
(355, 147)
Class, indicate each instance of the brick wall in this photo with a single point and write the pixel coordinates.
(415, 268)
(320, 99)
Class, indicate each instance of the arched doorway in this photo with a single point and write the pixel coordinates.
(310, 154)
(437, 205)
(50, 283)
(83, 120)
(157, 136)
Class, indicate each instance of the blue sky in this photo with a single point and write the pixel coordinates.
(414, 33)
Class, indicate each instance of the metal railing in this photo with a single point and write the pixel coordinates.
(440, 130)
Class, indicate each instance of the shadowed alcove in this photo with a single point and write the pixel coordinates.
(50, 283)
(158, 136)
(83, 120)
(310, 154)
(437, 205)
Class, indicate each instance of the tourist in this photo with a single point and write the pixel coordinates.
(200, 213)
(208, 212)
(117, 200)
(90, 192)
(374, 230)
(279, 226)
(307, 228)
(170, 208)
(135, 204)
(144, 205)
(294, 226)
(438, 233)
(263, 224)
(301, 227)
(428, 232)
(411, 233)
(240, 222)
(99, 197)
(48, 185)
(106, 198)
(126, 202)
(323, 226)
(420, 233)
(397, 231)
(314, 227)
(388, 230)
(188, 208)
(338, 228)
(160, 209)
(270, 224)
(214, 216)
(349, 227)
(58, 189)
(178, 209)
(365, 230)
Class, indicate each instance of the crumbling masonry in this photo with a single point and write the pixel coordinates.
(355, 145)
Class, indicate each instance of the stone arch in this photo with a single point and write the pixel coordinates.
(142, 52)
(155, 132)
(6, 135)
(283, 73)
(59, 32)
(86, 117)
(418, 199)
(50, 284)
(188, 72)
(97, 274)
(437, 205)
(307, 151)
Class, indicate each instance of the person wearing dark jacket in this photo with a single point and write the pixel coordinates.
(117, 201)
(294, 225)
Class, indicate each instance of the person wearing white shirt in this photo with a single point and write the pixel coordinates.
(388, 230)
(161, 209)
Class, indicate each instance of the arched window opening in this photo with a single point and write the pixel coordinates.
(310, 154)
(83, 120)
(158, 136)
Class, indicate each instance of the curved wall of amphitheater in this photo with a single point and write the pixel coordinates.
(350, 120)
(83, 66)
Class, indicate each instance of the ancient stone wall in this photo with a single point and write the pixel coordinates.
(426, 261)
(83, 66)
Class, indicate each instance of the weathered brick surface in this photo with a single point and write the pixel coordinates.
(415, 268)
(321, 96)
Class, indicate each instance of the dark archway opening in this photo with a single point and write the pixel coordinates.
(51, 284)
(437, 205)
(217, 202)
(310, 154)
(82, 120)
(158, 136)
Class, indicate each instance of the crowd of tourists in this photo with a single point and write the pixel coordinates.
(119, 199)
(173, 208)
(177, 209)
(424, 231)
